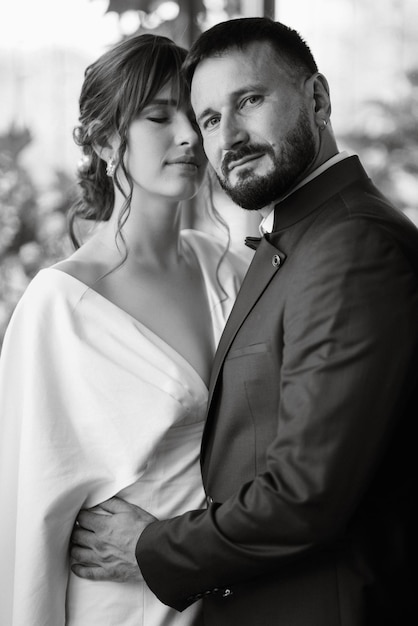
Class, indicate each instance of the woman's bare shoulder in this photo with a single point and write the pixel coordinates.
(86, 264)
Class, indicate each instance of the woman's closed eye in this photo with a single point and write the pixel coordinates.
(159, 112)
(158, 119)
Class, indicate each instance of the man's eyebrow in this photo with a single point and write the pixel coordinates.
(207, 112)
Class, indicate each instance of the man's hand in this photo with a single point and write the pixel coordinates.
(104, 541)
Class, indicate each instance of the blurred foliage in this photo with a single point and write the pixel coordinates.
(33, 225)
(387, 142)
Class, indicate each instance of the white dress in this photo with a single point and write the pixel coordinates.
(93, 404)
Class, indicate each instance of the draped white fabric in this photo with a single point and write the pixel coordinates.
(93, 404)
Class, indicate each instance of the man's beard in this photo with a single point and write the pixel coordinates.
(254, 191)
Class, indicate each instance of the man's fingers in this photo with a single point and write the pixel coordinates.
(94, 519)
(82, 537)
(91, 519)
(91, 573)
(83, 556)
(88, 520)
(115, 505)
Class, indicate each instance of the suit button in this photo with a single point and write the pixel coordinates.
(209, 501)
(276, 260)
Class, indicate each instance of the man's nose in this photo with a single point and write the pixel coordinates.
(232, 133)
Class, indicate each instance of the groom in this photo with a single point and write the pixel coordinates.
(308, 454)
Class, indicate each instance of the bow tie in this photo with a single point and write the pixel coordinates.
(252, 242)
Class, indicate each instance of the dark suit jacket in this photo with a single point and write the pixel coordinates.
(308, 457)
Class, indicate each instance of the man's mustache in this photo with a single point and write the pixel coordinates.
(242, 152)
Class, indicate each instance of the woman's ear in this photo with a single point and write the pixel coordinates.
(109, 154)
(108, 146)
(104, 152)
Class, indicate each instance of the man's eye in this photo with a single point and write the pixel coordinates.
(211, 122)
(250, 100)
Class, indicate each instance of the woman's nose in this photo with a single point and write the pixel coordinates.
(186, 131)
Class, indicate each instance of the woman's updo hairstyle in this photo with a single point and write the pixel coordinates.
(115, 90)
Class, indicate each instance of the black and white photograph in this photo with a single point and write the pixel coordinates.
(208, 312)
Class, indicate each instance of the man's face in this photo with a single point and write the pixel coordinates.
(256, 124)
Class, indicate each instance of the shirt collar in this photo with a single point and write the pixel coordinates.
(266, 225)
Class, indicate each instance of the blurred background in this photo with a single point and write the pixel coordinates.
(368, 50)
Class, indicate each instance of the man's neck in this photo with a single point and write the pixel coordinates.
(267, 212)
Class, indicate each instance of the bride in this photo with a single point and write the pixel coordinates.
(106, 361)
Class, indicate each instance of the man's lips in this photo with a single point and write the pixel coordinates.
(244, 160)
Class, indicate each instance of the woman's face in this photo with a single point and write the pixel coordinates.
(164, 155)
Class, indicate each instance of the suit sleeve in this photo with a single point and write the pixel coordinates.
(350, 339)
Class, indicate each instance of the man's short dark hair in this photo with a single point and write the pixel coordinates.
(289, 46)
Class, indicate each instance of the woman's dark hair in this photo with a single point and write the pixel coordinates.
(288, 45)
(116, 88)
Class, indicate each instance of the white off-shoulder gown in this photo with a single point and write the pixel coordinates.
(93, 404)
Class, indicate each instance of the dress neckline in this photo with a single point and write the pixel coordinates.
(138, 324)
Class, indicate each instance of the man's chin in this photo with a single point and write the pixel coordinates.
(247, 199)
(248, 193)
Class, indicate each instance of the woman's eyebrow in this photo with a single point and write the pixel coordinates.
(164, 102)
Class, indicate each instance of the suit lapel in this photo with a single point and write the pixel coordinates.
(290, 211)
(266, 262)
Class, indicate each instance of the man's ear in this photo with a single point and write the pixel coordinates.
(318, 90)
